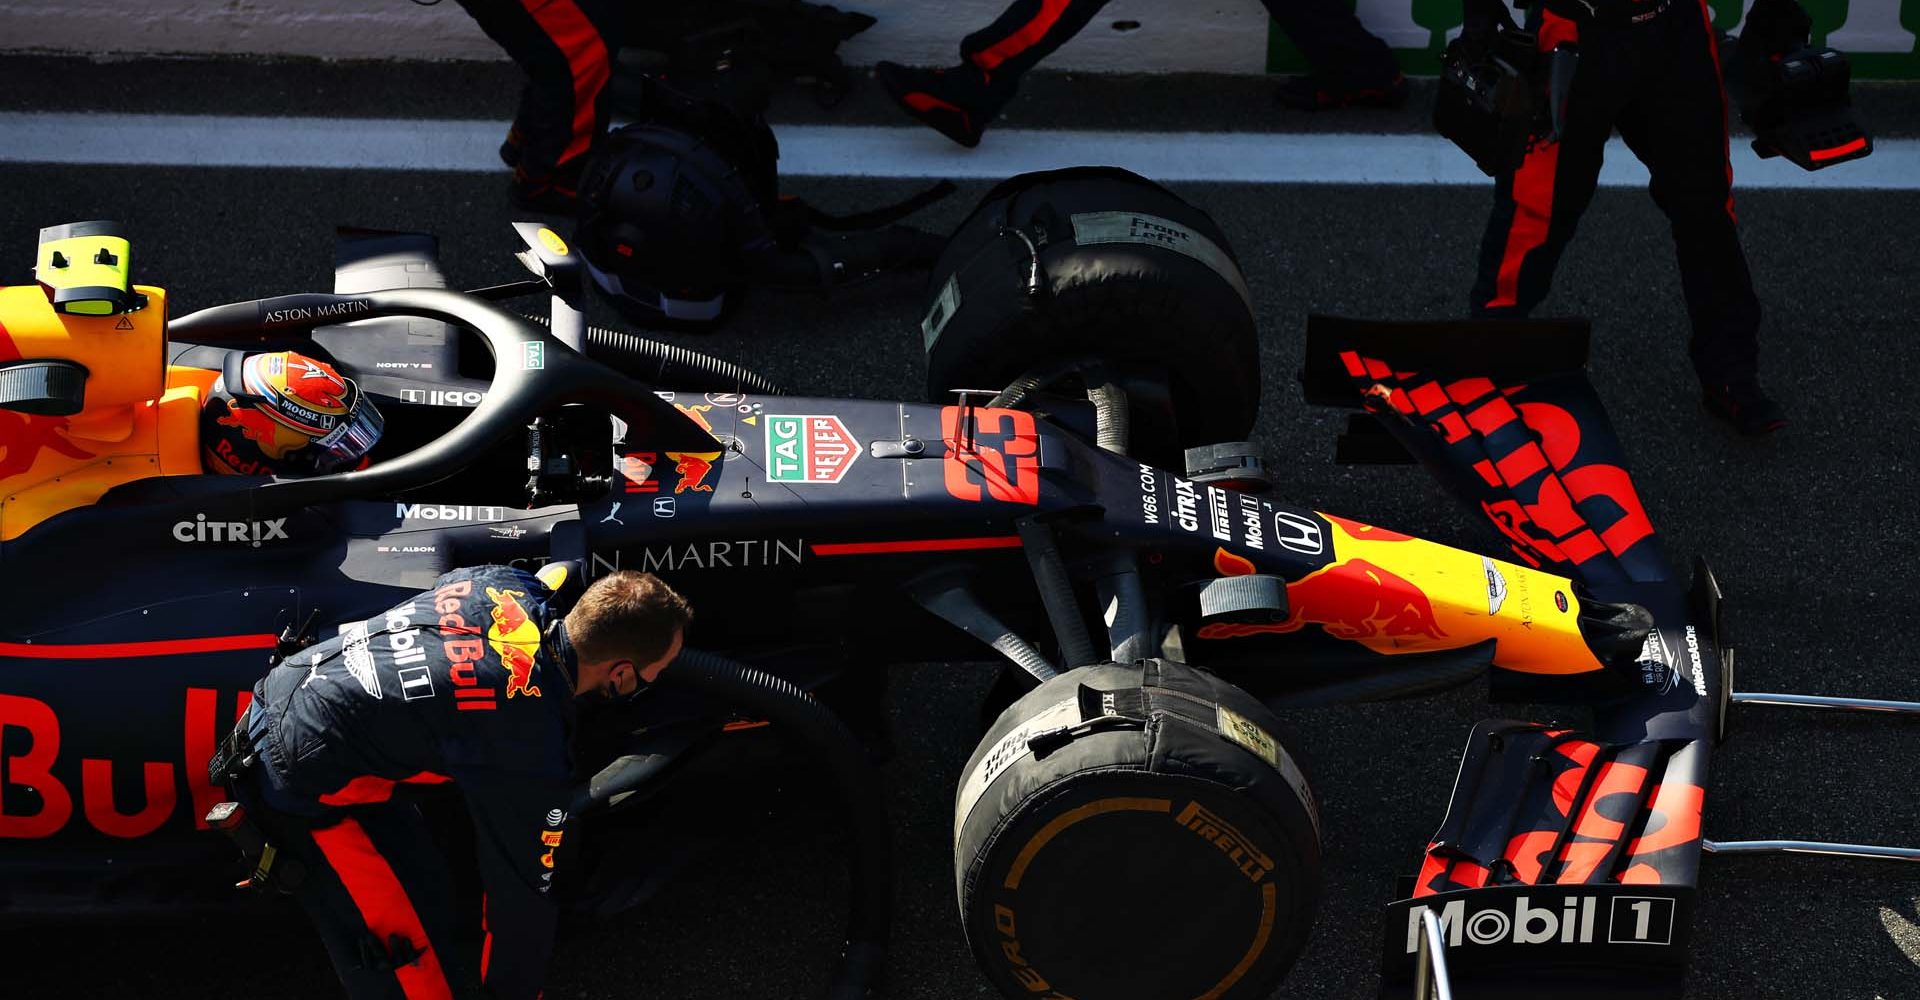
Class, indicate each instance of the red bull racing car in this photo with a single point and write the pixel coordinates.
(1052, 523)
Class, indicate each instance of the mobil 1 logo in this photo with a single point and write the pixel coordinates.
(1624, 926)
(467, 398)
(446, 512)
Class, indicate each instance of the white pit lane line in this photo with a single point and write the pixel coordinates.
(867, 151)
(1903, 932)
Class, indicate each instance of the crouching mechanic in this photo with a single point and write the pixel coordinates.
(472, 685)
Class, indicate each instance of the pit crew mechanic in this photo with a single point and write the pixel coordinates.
(1650, 68)
(1350, 66)
(563, 46)
(467, 684)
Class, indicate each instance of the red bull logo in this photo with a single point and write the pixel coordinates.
(256, 426)
(692, 468)
(1432, 598)
(1354, 600)
(24, 437)
(516, 638)
(1361, 601)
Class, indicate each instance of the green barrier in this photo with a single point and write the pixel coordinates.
(1878, 36)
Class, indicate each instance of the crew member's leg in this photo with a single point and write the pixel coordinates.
(1350, 65)
(1677, 125)
(565, 48)
(960, 101)
(1537, 207)
(380, 898)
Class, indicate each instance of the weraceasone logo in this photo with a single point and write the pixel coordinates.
(1693, 654)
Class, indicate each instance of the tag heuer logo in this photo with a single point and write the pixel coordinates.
(809, 449)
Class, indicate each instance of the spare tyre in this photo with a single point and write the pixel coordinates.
(1136, 833)
(1127, 272)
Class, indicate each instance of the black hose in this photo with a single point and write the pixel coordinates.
(874, 218)
(813, 725)
(1032, 289)
(825, 262)
(1121, 592)
(1017, 392)
(670, 366)
(1056, 593)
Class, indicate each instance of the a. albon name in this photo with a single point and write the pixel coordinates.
(318, 312)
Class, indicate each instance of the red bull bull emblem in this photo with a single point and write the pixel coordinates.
(1359, 600)
(1354, 600)
(515, 637)
(692, 468)
(23, 438)
(255, 425)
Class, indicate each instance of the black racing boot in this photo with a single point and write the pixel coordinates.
(510, 149)
(1312, 93)
(556, 193)
(1745, 405)
(954, 102)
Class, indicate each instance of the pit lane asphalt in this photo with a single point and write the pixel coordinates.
(1811, 534)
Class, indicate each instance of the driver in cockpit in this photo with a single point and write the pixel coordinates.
(281, 413)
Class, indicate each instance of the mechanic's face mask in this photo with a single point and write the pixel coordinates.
(604, 693)
(607, 692)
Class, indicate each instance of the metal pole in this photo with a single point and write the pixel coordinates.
(1867, 851)
(1431, 981)
(1822, 701)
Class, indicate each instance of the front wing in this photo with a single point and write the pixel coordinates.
(1567, 862)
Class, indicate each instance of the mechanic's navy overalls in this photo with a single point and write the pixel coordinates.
(1650, 68)
(468, 685)
(566, 49)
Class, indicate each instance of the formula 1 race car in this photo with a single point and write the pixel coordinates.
(824, 539)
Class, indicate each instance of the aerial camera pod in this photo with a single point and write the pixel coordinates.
(1136, 832)
(80, 338)
(1096, 261)
(83, 364)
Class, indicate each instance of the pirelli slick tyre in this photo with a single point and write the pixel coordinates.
(1128, 272)
(1136, 833)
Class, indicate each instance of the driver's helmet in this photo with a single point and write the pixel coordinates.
(282, 413)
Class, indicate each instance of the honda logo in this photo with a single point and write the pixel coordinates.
(1298, 533)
